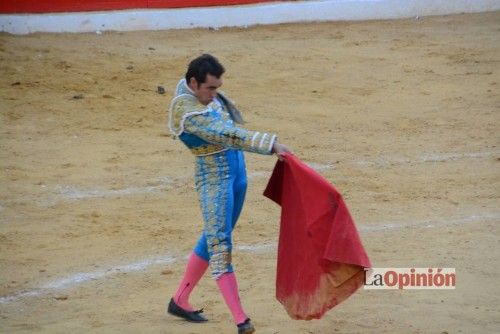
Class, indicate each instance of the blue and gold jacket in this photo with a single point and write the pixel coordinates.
(209, 129)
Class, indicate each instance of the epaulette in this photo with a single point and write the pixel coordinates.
(181, 107)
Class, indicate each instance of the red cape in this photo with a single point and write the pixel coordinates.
(321, 259)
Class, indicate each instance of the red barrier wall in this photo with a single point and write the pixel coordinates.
(47, 6)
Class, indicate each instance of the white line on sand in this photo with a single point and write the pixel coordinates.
(423, 158)
(73, 193)
(66, 192)
(257, 248)
(76, 193)
(80, 278)
(429, 223)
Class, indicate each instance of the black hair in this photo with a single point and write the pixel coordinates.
(205, 64)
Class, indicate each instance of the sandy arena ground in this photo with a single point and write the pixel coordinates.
(98, 208)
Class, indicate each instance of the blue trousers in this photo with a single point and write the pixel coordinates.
(221, 183)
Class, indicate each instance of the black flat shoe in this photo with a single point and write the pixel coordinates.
(191, 316)
(246, 327)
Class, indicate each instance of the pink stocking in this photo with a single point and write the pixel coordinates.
(195, 269)
(229, 289)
